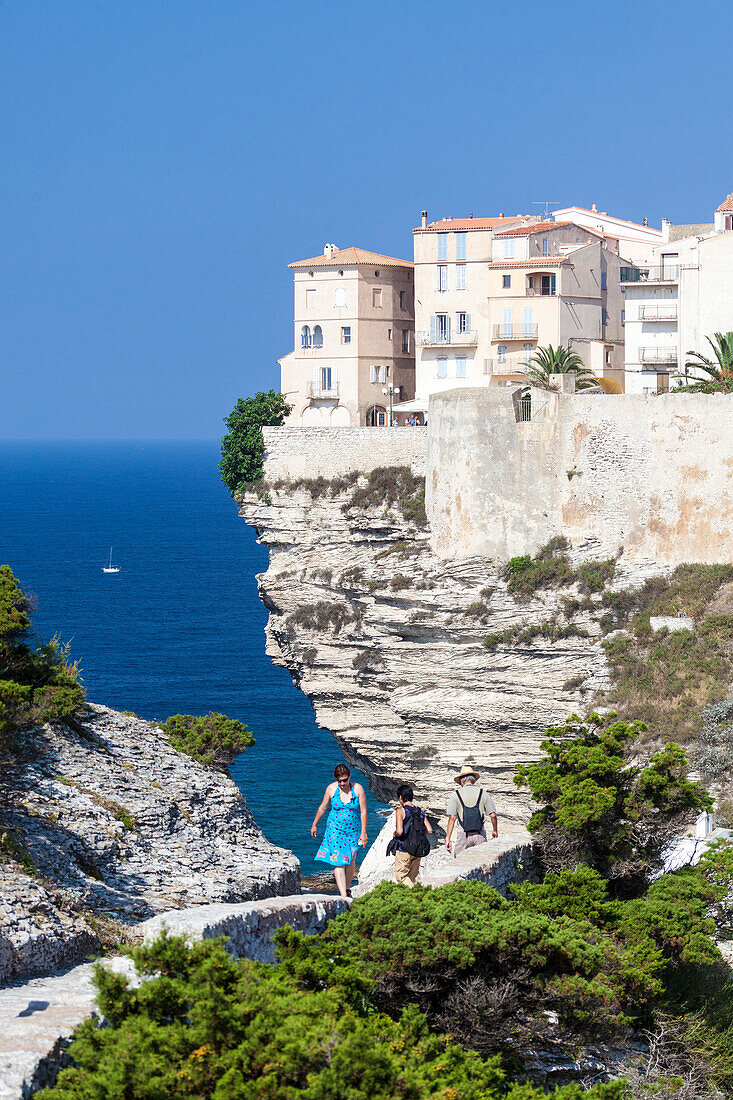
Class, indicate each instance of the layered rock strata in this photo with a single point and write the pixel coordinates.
(387, 641)
(116, 825)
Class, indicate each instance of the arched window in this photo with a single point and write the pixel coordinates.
(305, 337)
(317, 337)
(376, 417)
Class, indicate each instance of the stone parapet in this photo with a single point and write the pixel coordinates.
(330, 452)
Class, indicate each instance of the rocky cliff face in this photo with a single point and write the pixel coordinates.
(387, 641)
(115, 826)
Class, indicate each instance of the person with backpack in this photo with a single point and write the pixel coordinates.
(410, 842)
(469, 806)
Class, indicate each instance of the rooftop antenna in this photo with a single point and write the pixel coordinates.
(547, 203)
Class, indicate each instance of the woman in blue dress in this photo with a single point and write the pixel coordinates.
(345, 828)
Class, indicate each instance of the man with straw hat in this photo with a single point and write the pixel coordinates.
(469, 806)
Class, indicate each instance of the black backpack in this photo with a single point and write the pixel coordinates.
(414, 834)
(472, 821)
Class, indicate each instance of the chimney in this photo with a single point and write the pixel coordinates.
(471, 215)
(594, 208)
(502, 214)
(645, 222)
(666, 226)
(424, 219)
(329, 250)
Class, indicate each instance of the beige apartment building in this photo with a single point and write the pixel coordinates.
(489, 291)
(354, 355)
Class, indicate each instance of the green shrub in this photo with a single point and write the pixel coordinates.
(477, 610)
(551, 568)
(322, 616)
(36, 685)
(593, 576)
(207, 1025)
(367, 660)
(523, 635)
(400, 582)
(388, 486)
(212, 739)
(598, 809)
(242, 448)
(402, 548)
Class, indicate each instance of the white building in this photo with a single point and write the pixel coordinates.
(633, 241)
(673, 303)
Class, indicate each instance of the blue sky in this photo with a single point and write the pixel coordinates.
(162, 162)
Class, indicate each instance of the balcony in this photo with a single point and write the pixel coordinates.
(658, 355)
(449, 339)
(324, 393)
(658, 313)
(667, 273)
(514, 332)
(512, 364)
(311, 349)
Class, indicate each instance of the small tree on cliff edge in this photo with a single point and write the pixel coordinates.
(242, 448)
(602, 807)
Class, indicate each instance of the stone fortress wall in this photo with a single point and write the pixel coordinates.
(328, 452)
(651, 475)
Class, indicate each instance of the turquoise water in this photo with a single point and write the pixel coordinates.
(181, 628)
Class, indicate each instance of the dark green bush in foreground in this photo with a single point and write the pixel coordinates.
(212, 739)
(36, 684)
(207, 1026)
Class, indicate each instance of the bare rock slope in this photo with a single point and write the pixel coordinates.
(114, 825)
(393, 646)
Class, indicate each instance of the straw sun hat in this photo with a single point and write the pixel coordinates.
(466, 770)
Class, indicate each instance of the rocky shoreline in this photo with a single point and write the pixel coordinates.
(109, 825)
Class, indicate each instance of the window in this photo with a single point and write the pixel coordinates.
(310, 299)
(460, 246)
(501, 353)
(326, 378)
(548, 284)
(461, 366)
(442, 277)
(528, 350)
(623, 316)
(604, 316)
(377, 374)
(402, 299)
(528, 322)
(604, 280)
(460, 276)
(508, 250)
(442, 368)
(442, 328)
(463, 322)
(406, 340)
(376, 417)
(376, 297)
(544, 246)
(506, 323)
(442, 246)
(346, 334)
(339, 298)
(305, 337)
(506, 281)
(317, 337)
(389, 333)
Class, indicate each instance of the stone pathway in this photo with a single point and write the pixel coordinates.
(38, 1017)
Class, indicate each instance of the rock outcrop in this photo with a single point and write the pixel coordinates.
(387, 641)
(114, 826)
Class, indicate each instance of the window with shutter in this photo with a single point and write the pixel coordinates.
(460, 276)
(442, 246)
(442, 277)
(460, 246)
(461, 366)
(442, 368)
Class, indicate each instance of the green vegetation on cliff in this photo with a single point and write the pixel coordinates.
(37, 683)
(212, 739)
(242, 448)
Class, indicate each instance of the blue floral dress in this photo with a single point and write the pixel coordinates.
(343, 829)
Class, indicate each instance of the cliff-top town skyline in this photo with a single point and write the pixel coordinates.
(375, 336)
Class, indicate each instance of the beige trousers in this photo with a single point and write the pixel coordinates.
(461, 841)
(406, 868)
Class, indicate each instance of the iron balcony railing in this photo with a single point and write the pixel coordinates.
(318, 389)
(658, 313)
(540, 291)
(664, 273)
(658, 355)
(514, 332)
(512, 364)
(439, 339)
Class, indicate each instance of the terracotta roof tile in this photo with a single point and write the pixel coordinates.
(447, 225)
(539, 261)
(345, 256)
(727, 205)
(536, 227)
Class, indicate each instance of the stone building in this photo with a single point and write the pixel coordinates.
(354, 355)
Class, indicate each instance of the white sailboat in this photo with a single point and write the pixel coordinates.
(110, 568)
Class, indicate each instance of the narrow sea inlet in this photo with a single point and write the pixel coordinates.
(180, 629)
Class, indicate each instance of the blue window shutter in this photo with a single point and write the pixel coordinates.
(468, 322)
(447, 327)
(432, 328)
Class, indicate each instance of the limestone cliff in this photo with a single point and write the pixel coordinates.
(387, 641)
(115, 826)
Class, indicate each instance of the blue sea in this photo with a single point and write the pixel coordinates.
(180, 630)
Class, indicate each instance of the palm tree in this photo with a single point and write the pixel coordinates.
(720, 369)
(559, 360)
